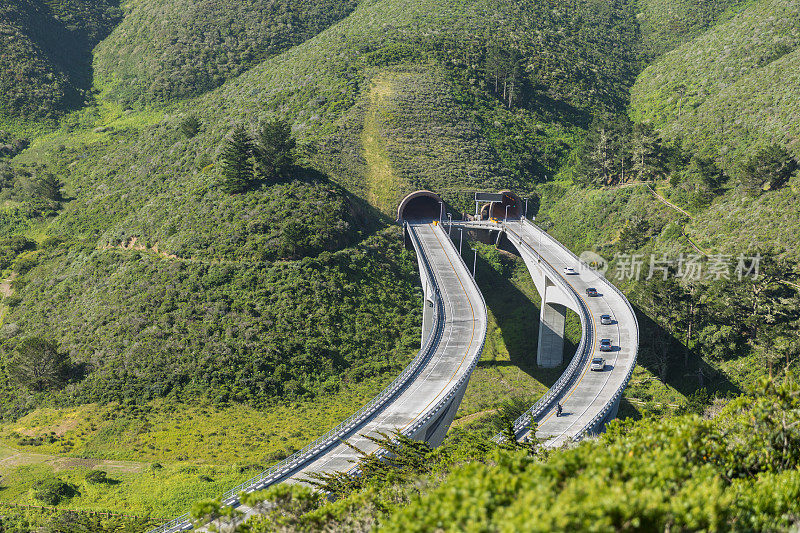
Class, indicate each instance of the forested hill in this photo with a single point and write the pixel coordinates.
(196, 200)
(45, 57)
(732, 89)
(165, 51)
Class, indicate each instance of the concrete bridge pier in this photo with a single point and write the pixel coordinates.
(428, 309)
(428, 296)
(550, 351)
(553, 313)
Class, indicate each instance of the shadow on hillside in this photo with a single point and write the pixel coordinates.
(686, 371)
(370, 218)
(69, 44)
(628, 410)
(557, 110)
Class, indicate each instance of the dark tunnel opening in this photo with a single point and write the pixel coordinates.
(420, 206)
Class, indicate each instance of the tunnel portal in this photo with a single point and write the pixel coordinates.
(420, 206)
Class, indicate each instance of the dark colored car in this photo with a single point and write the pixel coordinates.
(591, 291)
(605, 345)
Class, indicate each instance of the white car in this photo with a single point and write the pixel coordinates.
(569, 271)
(598, 364)
(606, 320)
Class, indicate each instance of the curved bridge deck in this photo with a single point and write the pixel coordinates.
(593, 394)
(588, 398)
(457, 351)
(422, 401)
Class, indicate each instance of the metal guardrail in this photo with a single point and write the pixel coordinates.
(598, 419)
(444, 401)
(333, 437)
(545, 403)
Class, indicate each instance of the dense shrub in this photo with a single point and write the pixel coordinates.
(163, 51)
(769, 168)
(52, 491)
(38, 364)
(241, 331)
(96, 477)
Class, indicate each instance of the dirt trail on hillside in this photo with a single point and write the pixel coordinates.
(383, 186)
(6, 290)
(5, 286)
(134, 244)
(15, 458)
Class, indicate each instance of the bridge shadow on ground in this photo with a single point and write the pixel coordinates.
(516, 315)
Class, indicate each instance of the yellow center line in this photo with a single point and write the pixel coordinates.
(591, 317)
(472, 336)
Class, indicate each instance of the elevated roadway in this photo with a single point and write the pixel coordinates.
(588, 398)
(422, 402)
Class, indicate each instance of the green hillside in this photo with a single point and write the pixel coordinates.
(182, 316)
(158, 188)
(667, 24)
(732, 89)
(45, 59)
(163, 51)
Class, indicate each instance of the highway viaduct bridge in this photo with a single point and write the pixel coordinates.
(423, 400)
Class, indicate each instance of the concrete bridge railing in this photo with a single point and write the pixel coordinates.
(579, 360)
(318, 447)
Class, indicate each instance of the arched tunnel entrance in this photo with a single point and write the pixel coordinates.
(498, 209)
(420, 206)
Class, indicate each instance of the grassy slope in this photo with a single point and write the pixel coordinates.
(383, 186)
(192, 439)
(731, 89)
(118, 200)
(325, 86)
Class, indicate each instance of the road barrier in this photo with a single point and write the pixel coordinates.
(321, 445)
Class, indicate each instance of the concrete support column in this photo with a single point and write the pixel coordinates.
(552, 320)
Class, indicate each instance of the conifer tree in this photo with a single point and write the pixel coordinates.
(237, 161)
(37, 364)
(274, 150)
(645, 153)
